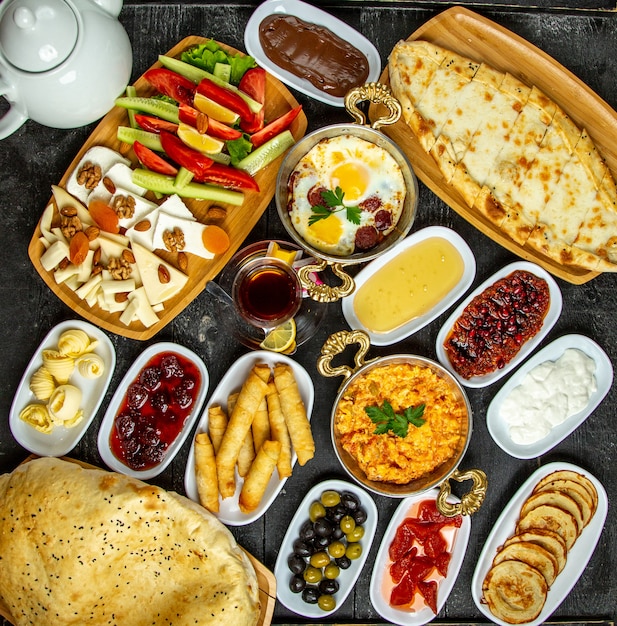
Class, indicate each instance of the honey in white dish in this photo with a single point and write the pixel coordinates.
(409, 285)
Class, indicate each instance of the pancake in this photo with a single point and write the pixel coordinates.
(556, 498)
(552, 518)
(576, 491)
(532, 554)
(574, 476)
(548, 539)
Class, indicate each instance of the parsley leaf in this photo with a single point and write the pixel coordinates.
(386, 419)
(334, 202)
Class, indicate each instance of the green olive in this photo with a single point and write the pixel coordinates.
(336, 549)
(347, 524)
(326, 603)
(320, 559)
(356, 534)
(330, 498)
(316, 511)
(312, 575)
(332, 571)
(354, 551)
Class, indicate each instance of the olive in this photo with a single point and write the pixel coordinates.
(344, 562)
(316, 511)
(321, 543)
(330, 498)
(348, 524)
(360, 516)
(356, 534)
(297, 583)
(337, 534)
(332, 571)
(296, 564)
(353, 551)
(310, 595)
(302, 548)
(323, 527)
(326, 603)
(336, 549)
(350, 501)
(337, 513)
(307, 532)
(312, 574)
(320, 559)
(328, 586)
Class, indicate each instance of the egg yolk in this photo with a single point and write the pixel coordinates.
(353, 178)
(328, 230)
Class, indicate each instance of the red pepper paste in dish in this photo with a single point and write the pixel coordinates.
(496, 323)
(154, 410)
(314, 53)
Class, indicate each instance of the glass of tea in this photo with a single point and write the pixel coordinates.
(266, 292)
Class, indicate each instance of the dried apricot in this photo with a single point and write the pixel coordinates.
(215, 239)
(78, 248)
(104, 216)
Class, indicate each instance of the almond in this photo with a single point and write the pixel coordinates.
(96, 259)
(216, 215)
(96, 269)
(64, 263)
(183, 261)
(92, 232)
(142, 226)
(128, 256)
(109, 184)
(122, 296)
(164, 276)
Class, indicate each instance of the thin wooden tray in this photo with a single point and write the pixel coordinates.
(478, 38)
(238, 224)
(265, 578)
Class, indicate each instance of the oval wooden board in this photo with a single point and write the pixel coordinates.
(480, 39)
(238, 224)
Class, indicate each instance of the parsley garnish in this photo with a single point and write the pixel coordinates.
(386, 419)
(334, 200)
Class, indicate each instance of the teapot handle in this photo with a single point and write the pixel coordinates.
(113, 7)
(16, 116)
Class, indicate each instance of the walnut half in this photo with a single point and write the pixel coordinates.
(174, 240)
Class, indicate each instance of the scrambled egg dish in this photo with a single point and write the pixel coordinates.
(388, 457)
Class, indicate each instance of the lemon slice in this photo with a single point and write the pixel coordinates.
(201, 142)
(287, 256)
(215, 110)
(282, 338)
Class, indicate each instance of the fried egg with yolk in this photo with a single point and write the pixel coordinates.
(372, 183)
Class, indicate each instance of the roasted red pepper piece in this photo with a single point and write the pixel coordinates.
(203, 123)
(225, 97)
(434, 545)
(180, 153)
(428, 589)
(402, 542)
(227, 176)
(253, 84)
(400, 567)
(442, 562)
(155, 124)
(275, 127)
(428, 512)
(171, 84)
(403, 593)
(151, 160)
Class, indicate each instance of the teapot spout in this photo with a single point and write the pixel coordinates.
(113, 7)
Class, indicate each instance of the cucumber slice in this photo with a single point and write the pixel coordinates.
(129, 135)
(196, 74)
(167, 185)
(131, 92)
(267, 152)
(222, 71)
(153, 106)
(183, 178)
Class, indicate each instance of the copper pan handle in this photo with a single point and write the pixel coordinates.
(376, 93)
(323, 292)
(470, 501)
(334, 345)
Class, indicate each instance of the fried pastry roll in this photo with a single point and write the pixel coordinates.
(217, 424)
(259, 475)
(278, 430)
(205, 473)
(261, 425)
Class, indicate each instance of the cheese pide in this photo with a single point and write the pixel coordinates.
(511, 152)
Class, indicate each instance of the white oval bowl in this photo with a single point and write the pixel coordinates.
(382, 564)
(62, 440)
(347, 577)
(312, 15)
(230, 512)
(414, 325)
(552, 315)
(578, 556)
(114, 406)
(497, 426)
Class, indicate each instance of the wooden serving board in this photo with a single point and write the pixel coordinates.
(238, 224)
(480, 39)
(265, 579)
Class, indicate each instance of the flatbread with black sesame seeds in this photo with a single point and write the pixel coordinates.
(86, 546)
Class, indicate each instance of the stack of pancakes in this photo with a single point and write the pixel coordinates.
(550, 521)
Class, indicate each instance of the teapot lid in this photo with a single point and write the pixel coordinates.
(37, 35)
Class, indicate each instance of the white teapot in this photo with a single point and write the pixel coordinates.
(62, 62)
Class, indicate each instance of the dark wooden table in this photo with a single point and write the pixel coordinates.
(581, 34)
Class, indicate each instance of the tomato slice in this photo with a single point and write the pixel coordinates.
(151, 160)
(171, 84)
(203, 123)
(180, 153)
(225, 97)
(276, 127)
(253, 83)
(227, 176)
(155, 124)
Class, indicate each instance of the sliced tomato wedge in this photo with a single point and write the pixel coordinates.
(152, 161)
(203, 123)
(225, 97)
(155, 124)
(276, 127)
(227, 176)
(171, 84)
(253, 83)
(180, 153)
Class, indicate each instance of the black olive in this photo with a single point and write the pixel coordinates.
(310, 595)
(336, 513)
(296, 563)
(360, 516)
(320, 543)
(297, 584)
(328, 587)
(337, 534)
(307, 532)
(343, 562)
(301, 548)
(323, 527)
(350, 501)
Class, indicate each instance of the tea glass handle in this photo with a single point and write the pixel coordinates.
(325, 293)
(335, 344)
(377, 93)
(15, 117)
(471, 501)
